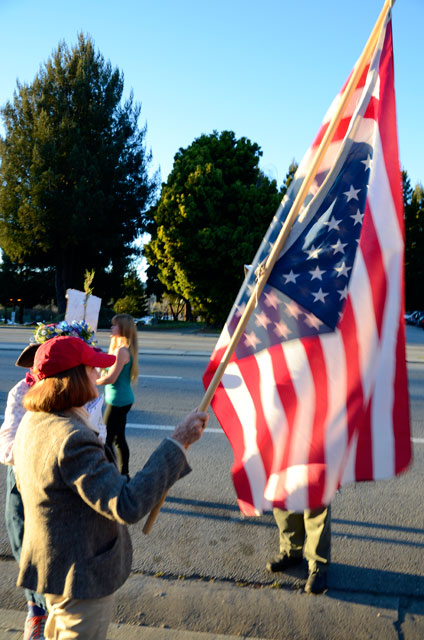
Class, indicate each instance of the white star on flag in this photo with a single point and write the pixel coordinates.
(358, 217)
(367, 162)
(262, 320)
(352, 194)
(343, 293)
(319, 295)
(251, 340)
(333, 224)
(281, 329)
(338, 247)
(343, 270)
(316, 273)
(293, 309)
(290, 277)
(271, 299)
(312, 252)
(312, 321)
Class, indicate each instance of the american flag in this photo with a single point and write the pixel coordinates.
(315, 395)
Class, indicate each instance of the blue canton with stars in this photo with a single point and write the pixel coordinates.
(307, 289)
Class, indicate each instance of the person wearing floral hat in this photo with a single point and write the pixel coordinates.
(14, 512)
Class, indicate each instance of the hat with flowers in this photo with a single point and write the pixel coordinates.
(44, 332)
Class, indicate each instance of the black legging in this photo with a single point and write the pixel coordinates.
(115, 419)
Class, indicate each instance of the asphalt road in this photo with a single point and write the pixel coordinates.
(377, 528)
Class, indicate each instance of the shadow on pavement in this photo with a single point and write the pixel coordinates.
(357, 584)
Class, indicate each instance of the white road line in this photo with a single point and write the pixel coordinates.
(163, 427)
(163, 377)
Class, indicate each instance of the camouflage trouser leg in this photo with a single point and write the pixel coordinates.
(308, 533)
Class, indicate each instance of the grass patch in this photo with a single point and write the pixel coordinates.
(171, 325)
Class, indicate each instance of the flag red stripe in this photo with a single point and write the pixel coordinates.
(288, 399)
(231, 424)
(403, 450)
(356, 417)
(251, 378)
(316, 461)
(372, 110)
(362, 79)
(227, 416)
(338, 135)
(345, 121)
(387, 125)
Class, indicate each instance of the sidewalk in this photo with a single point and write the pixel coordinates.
(152, 608)
(160, 343)
(12, 625)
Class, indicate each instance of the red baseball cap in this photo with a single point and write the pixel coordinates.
(65, 352)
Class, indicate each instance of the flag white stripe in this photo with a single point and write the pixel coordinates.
(301, 377)
(277, 425)
(275, 418)
(245, 409)
(349, 473)
(336, 431)
(390, 239)
(272, 408)
(366, 330)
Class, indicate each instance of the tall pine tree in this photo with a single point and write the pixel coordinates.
(74, 169)
(413, 200)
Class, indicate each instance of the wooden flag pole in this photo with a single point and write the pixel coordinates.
(284, 233)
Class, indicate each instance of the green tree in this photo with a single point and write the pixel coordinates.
(289, 176)
(209, 221)
(134, 299)
(414, 243)
(74, 170)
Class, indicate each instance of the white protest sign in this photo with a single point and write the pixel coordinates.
(81, 306)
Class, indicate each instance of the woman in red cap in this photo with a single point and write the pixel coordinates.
(76, 548)
(14, 412)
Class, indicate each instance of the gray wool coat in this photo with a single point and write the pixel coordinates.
(77, 505)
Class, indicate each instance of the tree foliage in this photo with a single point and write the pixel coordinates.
(414, 243)
(211, 216)
(133, 300)
(28, 285)
(73, 178)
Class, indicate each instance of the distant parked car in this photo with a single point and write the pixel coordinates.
(420, 320)
(414, 317)
(144, 320)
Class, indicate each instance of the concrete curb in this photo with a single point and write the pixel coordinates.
(12, 626)
(283, 614)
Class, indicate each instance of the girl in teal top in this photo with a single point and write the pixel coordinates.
(118, 380)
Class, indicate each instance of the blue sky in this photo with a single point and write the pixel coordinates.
(266, 69)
